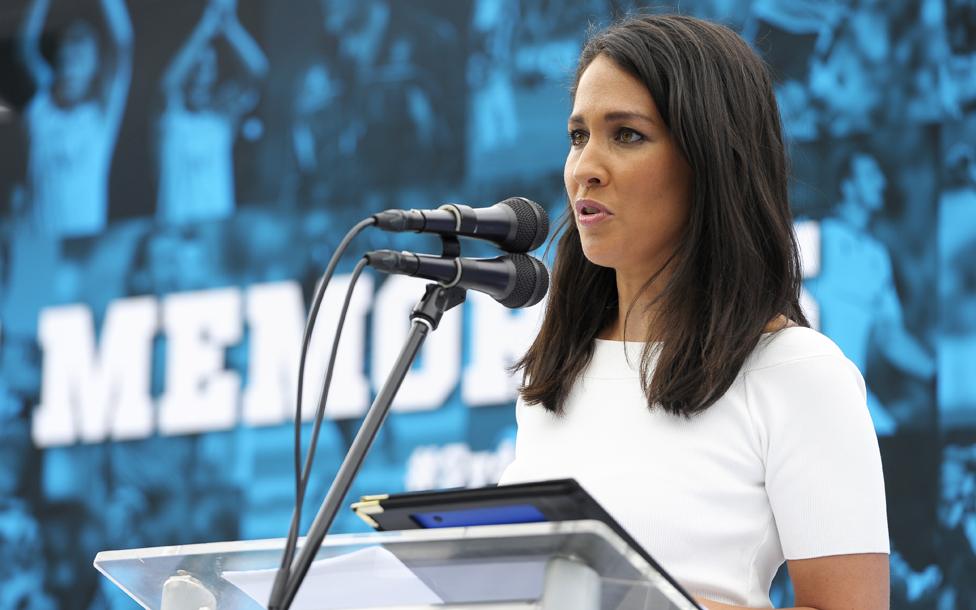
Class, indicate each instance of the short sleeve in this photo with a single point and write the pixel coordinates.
(823, 469)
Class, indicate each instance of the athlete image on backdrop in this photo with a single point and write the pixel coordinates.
(73, 118)
(201, 116)
(176, 177)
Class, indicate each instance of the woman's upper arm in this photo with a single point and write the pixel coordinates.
(841, 582)
(825, 483)
(823, 471)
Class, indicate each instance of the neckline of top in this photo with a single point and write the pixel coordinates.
(615, 341)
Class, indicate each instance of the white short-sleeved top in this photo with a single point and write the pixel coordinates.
(784, 466)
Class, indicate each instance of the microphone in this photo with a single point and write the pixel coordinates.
(515, 225)
(514, 280)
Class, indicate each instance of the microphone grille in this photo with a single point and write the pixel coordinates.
(531, 282)
(532, 224)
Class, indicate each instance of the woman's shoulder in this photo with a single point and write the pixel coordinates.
(797, 381)
(792, 344)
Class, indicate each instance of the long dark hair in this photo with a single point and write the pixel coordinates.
(737, 267)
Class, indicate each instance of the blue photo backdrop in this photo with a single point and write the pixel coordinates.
(174, 177)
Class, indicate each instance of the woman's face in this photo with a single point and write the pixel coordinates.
(628, 184)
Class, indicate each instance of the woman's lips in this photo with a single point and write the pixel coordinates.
(590, 213)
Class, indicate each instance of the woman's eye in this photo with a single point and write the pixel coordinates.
(628, 136)
(577, 137)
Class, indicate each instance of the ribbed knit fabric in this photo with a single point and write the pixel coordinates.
(784, 465)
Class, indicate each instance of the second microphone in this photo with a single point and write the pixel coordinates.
(514, 280)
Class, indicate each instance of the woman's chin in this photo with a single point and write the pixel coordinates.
(601, 257)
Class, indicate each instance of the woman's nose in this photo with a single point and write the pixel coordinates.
(590, 169)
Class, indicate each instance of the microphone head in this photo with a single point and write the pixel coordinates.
(531, 281)
(532, 225)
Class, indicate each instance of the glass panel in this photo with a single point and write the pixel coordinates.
(496, 563)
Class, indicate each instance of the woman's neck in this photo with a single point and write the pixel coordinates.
(637, 299)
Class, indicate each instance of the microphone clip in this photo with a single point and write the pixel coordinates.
(465, 218)
(439, 298)
(450, 246)
(436, 300)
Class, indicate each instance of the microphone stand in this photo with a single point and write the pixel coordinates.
(425, 317)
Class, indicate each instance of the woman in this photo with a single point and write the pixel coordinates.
(674, 375)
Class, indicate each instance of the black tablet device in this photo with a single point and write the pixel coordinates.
(559, 500)
(542, 501)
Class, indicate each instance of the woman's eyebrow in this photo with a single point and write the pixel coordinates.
(615, 116)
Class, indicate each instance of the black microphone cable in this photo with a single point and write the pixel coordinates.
(327, 382)
(302, 474)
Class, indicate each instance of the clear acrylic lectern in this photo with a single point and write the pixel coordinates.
(571, 565)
